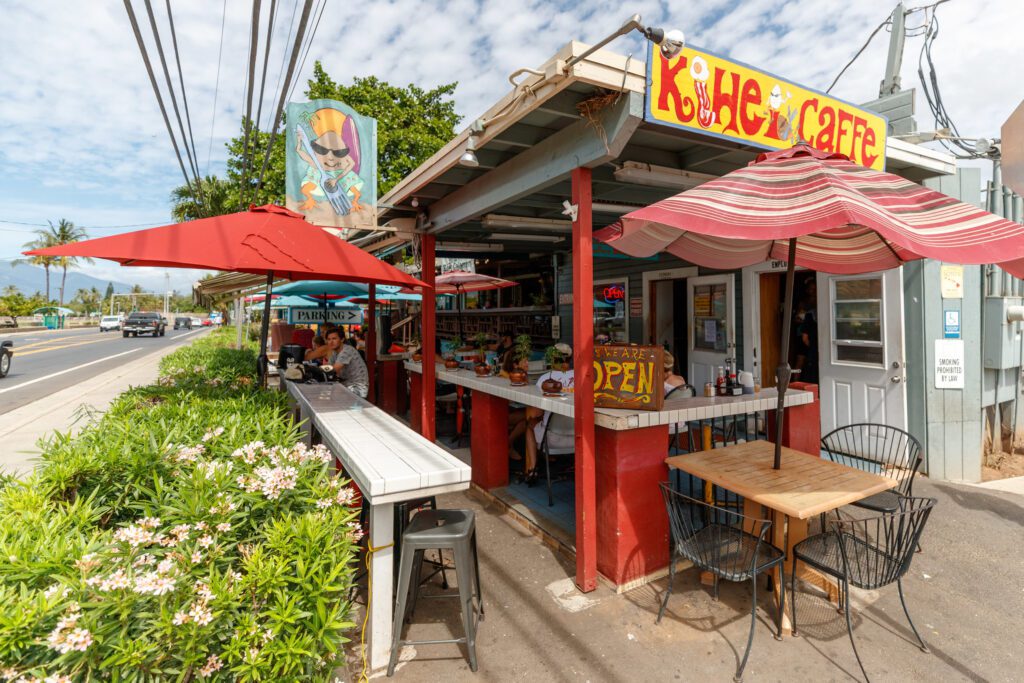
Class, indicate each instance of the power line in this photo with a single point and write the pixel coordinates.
(87, 227)
(266, 60)
(863, 47)
(312, 34)
(156, 88)
(287, 41)
(184, 100)
(216, 86)
(253, 44)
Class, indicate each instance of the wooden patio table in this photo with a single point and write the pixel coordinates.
(805, 486)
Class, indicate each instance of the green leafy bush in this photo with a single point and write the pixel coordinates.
(184, 534)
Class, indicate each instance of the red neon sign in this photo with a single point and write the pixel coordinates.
(614, 293)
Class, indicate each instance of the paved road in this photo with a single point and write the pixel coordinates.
(47, 361)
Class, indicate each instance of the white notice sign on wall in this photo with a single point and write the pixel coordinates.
(949, 364)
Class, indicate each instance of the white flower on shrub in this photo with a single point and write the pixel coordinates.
(210, 468)
(52, 591)
(116, 581)
(201, 526)
(224, 507)
(345, 496)
(189, 453)
(165, 566)
(212, 433)
(67, 636)
(144, 560)
(85, 563)
(200, 613)
(355, 531)
(212, 664)
(205, 541)
(224, 527)
(134, 535)
(250, 452)
(152, 583)
(197, 557)
(203, 591)
(149, 522)
(180, 618)
(325, 503)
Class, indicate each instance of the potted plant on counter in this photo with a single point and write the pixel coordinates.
(450, 360)
(481, 367)
(417, 352)
(520, 353)
(557, 356)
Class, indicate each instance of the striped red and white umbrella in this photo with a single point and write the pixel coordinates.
(846, 219)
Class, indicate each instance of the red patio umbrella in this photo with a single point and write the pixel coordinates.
(818, 210)
(266, 239)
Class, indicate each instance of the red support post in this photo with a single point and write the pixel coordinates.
(371, 344)
(428, 324)
(488, 441)
(583, 397)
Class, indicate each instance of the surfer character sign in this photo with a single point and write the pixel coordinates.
(331, 164)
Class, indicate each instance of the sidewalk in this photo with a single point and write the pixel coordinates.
(21, 428)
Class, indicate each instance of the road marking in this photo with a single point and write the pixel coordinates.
(59, 340)
(56, 348)
(62, 372)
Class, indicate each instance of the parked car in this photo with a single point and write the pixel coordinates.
(144, 323)
(8, 321)
(207, 322)
(110, 322)
(182, 323)
(197, 322)
(6, 353)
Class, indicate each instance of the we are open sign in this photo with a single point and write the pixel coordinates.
(629, 377)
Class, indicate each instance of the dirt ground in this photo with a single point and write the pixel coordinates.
(1002, 465)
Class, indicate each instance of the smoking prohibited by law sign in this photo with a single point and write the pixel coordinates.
(949, 364)
(951, 324)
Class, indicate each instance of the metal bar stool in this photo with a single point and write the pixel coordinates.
(437, 529)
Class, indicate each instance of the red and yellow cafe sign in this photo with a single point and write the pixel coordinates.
(702, 92)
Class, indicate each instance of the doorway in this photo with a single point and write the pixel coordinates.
(804, 331)
(666, 313)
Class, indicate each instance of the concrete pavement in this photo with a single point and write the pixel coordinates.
(70, 408)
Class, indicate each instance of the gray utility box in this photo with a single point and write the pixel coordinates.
(1002, 339)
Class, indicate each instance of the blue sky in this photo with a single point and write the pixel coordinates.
(81, 136)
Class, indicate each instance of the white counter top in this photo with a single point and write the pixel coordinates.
(674, 410)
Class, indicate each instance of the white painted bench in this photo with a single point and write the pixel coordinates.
(390, 463)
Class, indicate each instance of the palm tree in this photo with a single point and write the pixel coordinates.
(217, 193)
(66, 232)
(43, 240)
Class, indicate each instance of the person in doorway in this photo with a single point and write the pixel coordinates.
(537, 422)
(348, 364)
(672, 380)
(806, 346)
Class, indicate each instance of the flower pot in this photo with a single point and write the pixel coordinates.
(551, 386)
(517, 378)
(417, 357)
(482, 370)
(451, 364)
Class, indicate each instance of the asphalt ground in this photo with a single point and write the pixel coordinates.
(47, 361)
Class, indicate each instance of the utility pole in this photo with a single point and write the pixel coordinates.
(167, 294)
(891, 83)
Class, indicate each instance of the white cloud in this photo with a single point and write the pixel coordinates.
(81, 136)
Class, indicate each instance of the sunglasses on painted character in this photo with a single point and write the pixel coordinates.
(324, 151)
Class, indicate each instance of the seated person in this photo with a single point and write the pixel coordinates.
(672, 380)
(538, 421)
(516, 411)
(503, 346)
(320, 349)
(348, 365)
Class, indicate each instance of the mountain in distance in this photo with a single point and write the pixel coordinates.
(30, 279)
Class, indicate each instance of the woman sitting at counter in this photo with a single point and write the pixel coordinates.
(672, 380)
(517, 421)
(538, 422)
(320, 349)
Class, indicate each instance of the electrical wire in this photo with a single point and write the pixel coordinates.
(287, 41)
(254, 39)
(303, 22)
(184, 100)
(863, 47)
(156, 89)
(266, 60)
(309, 43)
(89, 227)
(170, 89)
(216, 85)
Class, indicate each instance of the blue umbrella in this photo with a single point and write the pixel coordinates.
(332, 288)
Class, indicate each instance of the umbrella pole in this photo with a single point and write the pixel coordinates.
(325, 313)
(261, 362)
(783, 371)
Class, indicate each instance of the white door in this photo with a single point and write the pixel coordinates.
(712, 326)
(861, 356)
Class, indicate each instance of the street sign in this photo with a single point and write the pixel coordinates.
(315, 316)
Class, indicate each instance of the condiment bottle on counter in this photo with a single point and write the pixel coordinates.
(757, 375)
(720, 387)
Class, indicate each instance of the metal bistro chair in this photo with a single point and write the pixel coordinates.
(558, 429)
(728, 544)
(881, 449)
(866, 553)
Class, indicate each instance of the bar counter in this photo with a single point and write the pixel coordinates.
(631, 446)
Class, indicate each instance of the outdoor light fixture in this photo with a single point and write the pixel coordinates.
(493, 220)
(469, 247)
(619, 209)
(515, 237)
(660, 176)
(671, 42)
(468, 157)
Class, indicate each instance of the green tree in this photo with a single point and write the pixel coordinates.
(218, 195)
(65, 232)
(43, 240)
(89, 300)
(412, 124)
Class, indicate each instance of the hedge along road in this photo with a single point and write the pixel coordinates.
(48, 361)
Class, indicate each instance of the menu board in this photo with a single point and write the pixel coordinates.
(627, 376)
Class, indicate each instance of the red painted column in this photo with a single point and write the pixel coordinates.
(583, 397)
(387, 386)
(371, 343)
(402, 389)
(428, 325)
(416, 398)
(801, 430)
(488, 440)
